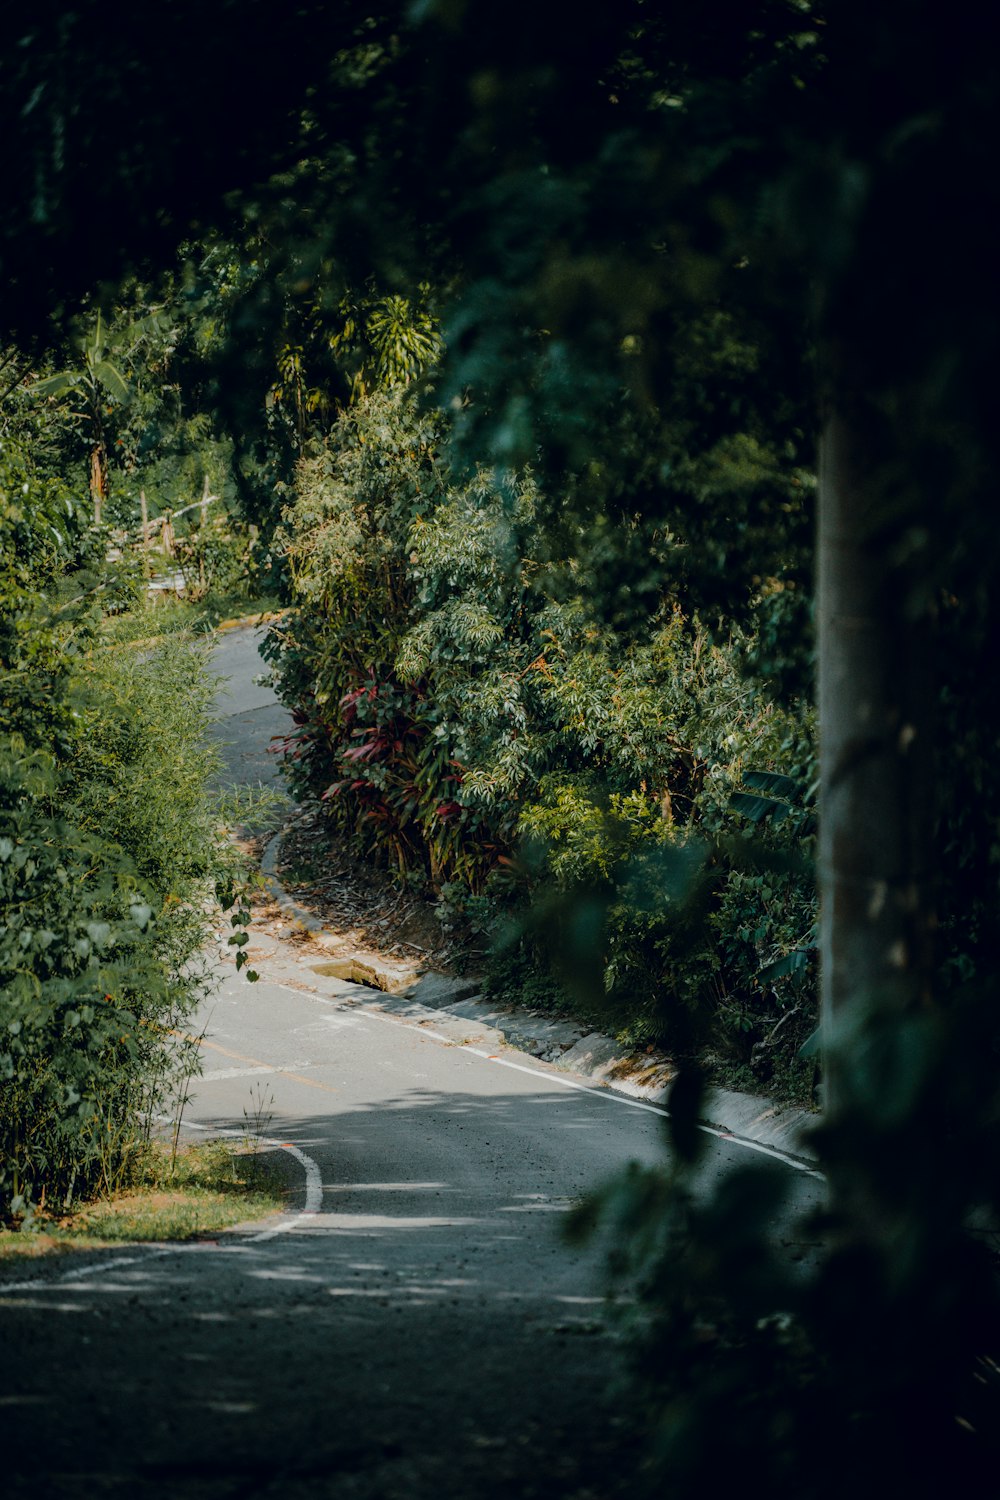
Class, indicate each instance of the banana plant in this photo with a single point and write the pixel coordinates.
(95, 387)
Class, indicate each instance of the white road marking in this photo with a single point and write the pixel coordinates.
(314, 1181)
(216, 1075)
(313, 1206)
(608, 1095)
(81, 1271)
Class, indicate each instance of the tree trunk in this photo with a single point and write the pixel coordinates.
(875, 711)
(98, 479)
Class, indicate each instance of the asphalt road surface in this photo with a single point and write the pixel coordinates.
(414, 1326)
(250, 718)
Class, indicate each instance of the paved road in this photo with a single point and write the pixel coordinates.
(414, 1327)
(250, 718)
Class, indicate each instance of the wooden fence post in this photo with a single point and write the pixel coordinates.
(144, 512)
(205, 497)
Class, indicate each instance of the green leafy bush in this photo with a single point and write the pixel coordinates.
(90, 987)
(466, 715)
(107, 854)
(375, 738)
(217, 557)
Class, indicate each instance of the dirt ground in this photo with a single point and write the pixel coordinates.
(353, 897)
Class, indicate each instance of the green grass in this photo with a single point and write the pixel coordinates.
(207, 1188)
(163, 617)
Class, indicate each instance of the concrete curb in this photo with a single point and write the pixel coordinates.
(236, 622)
(360, 965)
(564, 1044)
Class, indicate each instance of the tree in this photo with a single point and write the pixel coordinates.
(143, 169)
(99, 877)
(94, 388)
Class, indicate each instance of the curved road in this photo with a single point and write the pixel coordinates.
(415, 1327)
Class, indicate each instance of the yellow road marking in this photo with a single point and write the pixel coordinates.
(255, 1062)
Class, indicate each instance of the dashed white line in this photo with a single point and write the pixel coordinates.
(216, 1075)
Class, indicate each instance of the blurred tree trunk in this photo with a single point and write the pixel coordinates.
(876, 725)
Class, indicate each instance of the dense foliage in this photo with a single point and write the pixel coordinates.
(467, 715)
(107, 851)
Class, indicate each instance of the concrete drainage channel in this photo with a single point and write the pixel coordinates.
(411, 990)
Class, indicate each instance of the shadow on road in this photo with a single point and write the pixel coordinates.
(427, 1334)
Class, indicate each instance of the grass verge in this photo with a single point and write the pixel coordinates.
(207, 1188)
(148, 624)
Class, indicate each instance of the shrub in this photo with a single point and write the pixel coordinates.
(457, 693)
(91, 987)
(107, 856)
